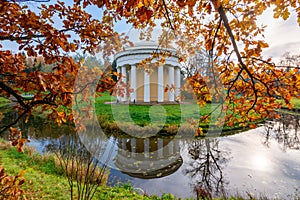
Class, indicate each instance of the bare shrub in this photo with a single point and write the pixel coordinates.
(83, 171)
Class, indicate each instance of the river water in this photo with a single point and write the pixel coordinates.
(262, 162)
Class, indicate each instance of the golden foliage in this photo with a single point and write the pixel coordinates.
(10, 185)
(16, 139)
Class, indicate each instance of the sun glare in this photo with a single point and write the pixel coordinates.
(261, 163)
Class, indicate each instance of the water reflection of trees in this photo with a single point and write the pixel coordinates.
(37, 127)
(204, 167)
(284, 130)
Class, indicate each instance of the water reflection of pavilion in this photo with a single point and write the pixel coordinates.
(148, 157)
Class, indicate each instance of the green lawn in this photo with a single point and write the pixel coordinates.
(296, 102)
(4, 101)
(166, 117)
(141, 114)
(144, 115)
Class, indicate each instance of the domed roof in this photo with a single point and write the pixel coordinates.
(143, 44)
(143, 50)
(158, 173)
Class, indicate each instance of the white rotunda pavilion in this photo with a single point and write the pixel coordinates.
(148, 87)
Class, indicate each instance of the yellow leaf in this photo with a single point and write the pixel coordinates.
(286, 14)
(263, 44)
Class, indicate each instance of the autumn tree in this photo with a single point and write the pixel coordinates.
(228, 30)
(205, 168)
(37, 35)
(289, 60)
(88, 60)
(33, 64)
(198, 63)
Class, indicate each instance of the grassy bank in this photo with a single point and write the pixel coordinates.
(143, 114)
(44, 180)
(167, 117)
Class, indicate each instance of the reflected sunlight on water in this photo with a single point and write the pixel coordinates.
(260, 162)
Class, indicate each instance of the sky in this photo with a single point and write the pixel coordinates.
(282, 36)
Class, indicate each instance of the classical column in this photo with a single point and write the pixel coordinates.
(133, 83)
(176, 146)
(171, 83)
(118, 84)
(146, 87)
(170, 147)
(133, 146)
(146, 147)
(123, 143)
(160, 89)
(124, 80)
(118, 71)
(177, 81)
(160, 146)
